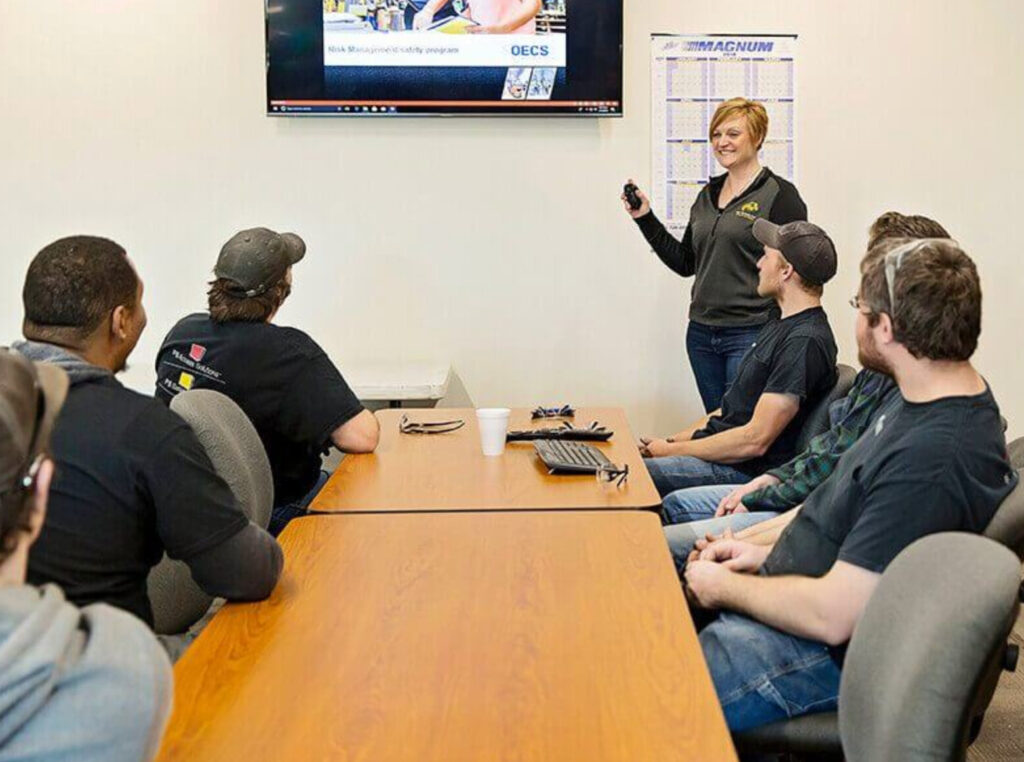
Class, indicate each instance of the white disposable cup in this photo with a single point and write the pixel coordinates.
(493, 423)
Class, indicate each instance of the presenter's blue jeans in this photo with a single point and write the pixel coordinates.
(715, 355)
(763, 675)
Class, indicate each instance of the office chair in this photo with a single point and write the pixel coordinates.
(1016, 450)
(237, 454)
(920, 667)
(1007, 525)
(818, 420)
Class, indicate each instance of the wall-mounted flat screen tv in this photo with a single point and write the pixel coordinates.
(444, 57)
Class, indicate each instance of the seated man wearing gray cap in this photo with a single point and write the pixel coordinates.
(87, 684)
(790, 367)
(285, 383)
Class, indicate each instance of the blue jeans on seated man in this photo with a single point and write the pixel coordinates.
(282, 514)
(762, 675)
(715, 353)
(674, 472)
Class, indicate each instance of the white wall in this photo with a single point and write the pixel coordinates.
(497, 244)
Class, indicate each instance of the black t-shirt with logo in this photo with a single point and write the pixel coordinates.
(921, 468)
(280, 377)
(795, 356)
(132, 481)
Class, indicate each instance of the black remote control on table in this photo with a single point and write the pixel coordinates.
(631, 198)
(592, 433)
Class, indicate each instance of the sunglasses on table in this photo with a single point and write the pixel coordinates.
(609, 473)
(428, 427)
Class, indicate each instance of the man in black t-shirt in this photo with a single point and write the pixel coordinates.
(285, 383)
(790, 367)
(132, 482)
(933, 461)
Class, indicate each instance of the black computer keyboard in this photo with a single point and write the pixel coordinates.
(573, 457)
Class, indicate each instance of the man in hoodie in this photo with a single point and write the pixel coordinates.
(133, 481)
(88, 684)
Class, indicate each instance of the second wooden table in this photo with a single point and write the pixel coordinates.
(448, 472)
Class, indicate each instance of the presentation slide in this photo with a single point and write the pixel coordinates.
(446, 57)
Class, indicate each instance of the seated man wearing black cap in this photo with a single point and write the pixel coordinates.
(133, 481)
(286, 384)
(790, 367)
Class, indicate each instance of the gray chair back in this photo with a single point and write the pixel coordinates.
(1007, 525)
(1016, 450)
(237, 454)
(817, 421)
(931, 633)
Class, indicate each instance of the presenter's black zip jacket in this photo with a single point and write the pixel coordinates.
(719, 248)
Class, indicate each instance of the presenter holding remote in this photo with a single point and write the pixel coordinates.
(719, 249)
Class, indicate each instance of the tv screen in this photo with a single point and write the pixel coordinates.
(402, 57)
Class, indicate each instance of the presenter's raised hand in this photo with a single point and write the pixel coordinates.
(422, 20)
(645, 203)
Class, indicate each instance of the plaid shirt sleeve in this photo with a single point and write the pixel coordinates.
(850, 417)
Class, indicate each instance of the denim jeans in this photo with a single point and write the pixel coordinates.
(762, 675)
(282, 514)
(715, 355)
(674, 472)
(682, 537)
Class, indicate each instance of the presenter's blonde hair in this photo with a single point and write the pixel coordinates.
(754, 112)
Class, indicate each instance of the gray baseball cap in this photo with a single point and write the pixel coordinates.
(804, 245)
(31, 395)
(255, 259)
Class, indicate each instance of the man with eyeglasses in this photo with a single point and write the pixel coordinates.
(89, 684)
(790, 367)
(748, 509)
(934, 460)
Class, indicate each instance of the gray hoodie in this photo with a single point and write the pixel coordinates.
(78, 685)
(78, 370)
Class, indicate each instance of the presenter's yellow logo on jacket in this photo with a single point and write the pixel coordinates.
(185, 380)
(751, 206)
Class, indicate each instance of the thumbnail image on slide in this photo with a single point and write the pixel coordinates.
(444, 32)
(446, 16)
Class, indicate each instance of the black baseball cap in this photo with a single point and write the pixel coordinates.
(804, 245)
(255, 259)
(31, 395)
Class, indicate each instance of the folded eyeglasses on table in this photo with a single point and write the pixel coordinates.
(428, 427)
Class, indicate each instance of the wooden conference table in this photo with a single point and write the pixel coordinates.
(448, 472)
(547, 635)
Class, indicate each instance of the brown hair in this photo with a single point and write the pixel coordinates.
(15, 510)
(814, 289)
(896, 225)
(937, 294)
(754, 112)
(227, 307)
